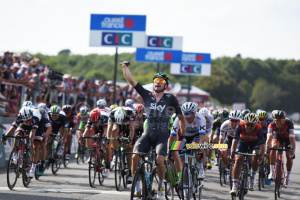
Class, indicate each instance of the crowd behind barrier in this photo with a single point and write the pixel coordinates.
(24, 78)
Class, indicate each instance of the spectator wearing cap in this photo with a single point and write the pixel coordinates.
(6, 55)
(15, 69)
(64, 87)
(9, 61)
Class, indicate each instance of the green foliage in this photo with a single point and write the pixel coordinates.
(266, 84)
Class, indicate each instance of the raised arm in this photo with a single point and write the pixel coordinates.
(128, 76)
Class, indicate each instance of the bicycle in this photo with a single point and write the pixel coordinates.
(121, 167)
(171, 179)
(20, 161)
(243, 188)
(52, 157)
(190, 184)
(279, 169)
(96, 160)
(262, 174)
(145, 180)
(81, 151)
(222, 169)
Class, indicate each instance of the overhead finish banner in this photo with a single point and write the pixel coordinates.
(158, 56)
(118, 30)
(196, 64)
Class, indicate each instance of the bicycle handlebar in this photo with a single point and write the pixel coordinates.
(16, 136)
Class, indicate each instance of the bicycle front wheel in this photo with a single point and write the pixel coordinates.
(124, 169)
(12, 169)
(137, 189)
(221, 171)
(260, 177)
(185, 183)
(242, 184)
(56, 165)
(118, 170)
(277, 179)
(170, 181)
(92, 170)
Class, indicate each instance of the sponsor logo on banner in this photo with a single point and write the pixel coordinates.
(192, 58)
(158, 56)
(121, 39)
(117, 23)
(190, 69)
(164, 42)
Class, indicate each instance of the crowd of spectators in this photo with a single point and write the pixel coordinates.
(24, 78)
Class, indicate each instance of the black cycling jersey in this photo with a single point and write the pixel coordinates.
(159, 114)
(216, 126)
(62, 121)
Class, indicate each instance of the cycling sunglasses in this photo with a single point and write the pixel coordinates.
(159, 80)
(262, 119)
(250, 124)
(279, 120)
(223, 119)
(188, 113)
(234, 120)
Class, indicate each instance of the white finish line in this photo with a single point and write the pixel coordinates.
(67, 191)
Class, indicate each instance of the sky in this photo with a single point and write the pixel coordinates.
(258, 28)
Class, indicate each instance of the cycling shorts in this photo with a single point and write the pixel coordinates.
(243, 146)
(284, 140)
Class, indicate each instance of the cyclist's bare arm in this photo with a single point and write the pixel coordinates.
(32, 134)
(11, 131)
(293, 143)
(234, 145)
(131, 131)
(128, 76)
(48, 132)
(182, 125)
(109, 129)
(211, 136)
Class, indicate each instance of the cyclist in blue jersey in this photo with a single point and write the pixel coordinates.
(159, 106)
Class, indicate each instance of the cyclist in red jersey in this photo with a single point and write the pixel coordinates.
(248, 134)
(281, 130)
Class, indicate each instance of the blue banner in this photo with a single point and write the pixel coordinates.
(158, 56)
(195, 58)
(118, 22)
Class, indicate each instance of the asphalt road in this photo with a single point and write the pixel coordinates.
(72, 183)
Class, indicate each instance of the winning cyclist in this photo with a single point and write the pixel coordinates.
(160, 107)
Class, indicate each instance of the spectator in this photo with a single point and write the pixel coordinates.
(36, 84)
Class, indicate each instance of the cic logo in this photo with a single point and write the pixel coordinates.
(164, 42)
(190, 69)
(121, 39)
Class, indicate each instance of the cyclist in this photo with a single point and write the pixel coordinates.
(209, 122)
(227, 131)
(140, 118)
(248, 134)
(281, 131)
(215, 114)
(33, 121)
(97, 124)
(122, 120)
(28, 104)
(129, 103)
(215, 132)
(101, 104)
(160, 107)
(71, 115)
(263, 121)
(60, 123)
(113, 106)
(82, 118)
(195, 132)
(244, 113)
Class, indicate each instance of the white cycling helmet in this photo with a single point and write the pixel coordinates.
(42, 106)
(119, 115)
(101, 103)
(83, 110)
(188, 107)
(26, 113)
(235, 114)
(129, 102)
(204, 111)
(27, 104)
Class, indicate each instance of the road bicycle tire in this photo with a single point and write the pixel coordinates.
(101, 170)
(152, 188)
(242, 184)
(196, 183)
(221, 172)
(56, 165)
(230, 175)
(139, 179)
(118, 170)
(12, 170)
(260, 177)
(277, 179)
(92, 170)
(185, 183)
(170, 178)
(125, 171)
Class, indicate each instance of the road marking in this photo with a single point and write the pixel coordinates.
(68, 191)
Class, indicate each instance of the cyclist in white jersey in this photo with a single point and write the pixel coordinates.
(227, 132)
(195, 131)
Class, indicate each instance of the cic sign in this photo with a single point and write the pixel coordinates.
(164, 42)
(197, 64)
(117, 30)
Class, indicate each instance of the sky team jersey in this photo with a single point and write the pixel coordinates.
(286, 131)
(226, 129)
(209, 123)
(196, 127)
(256, 135)
(159, 113)
(129, 116)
